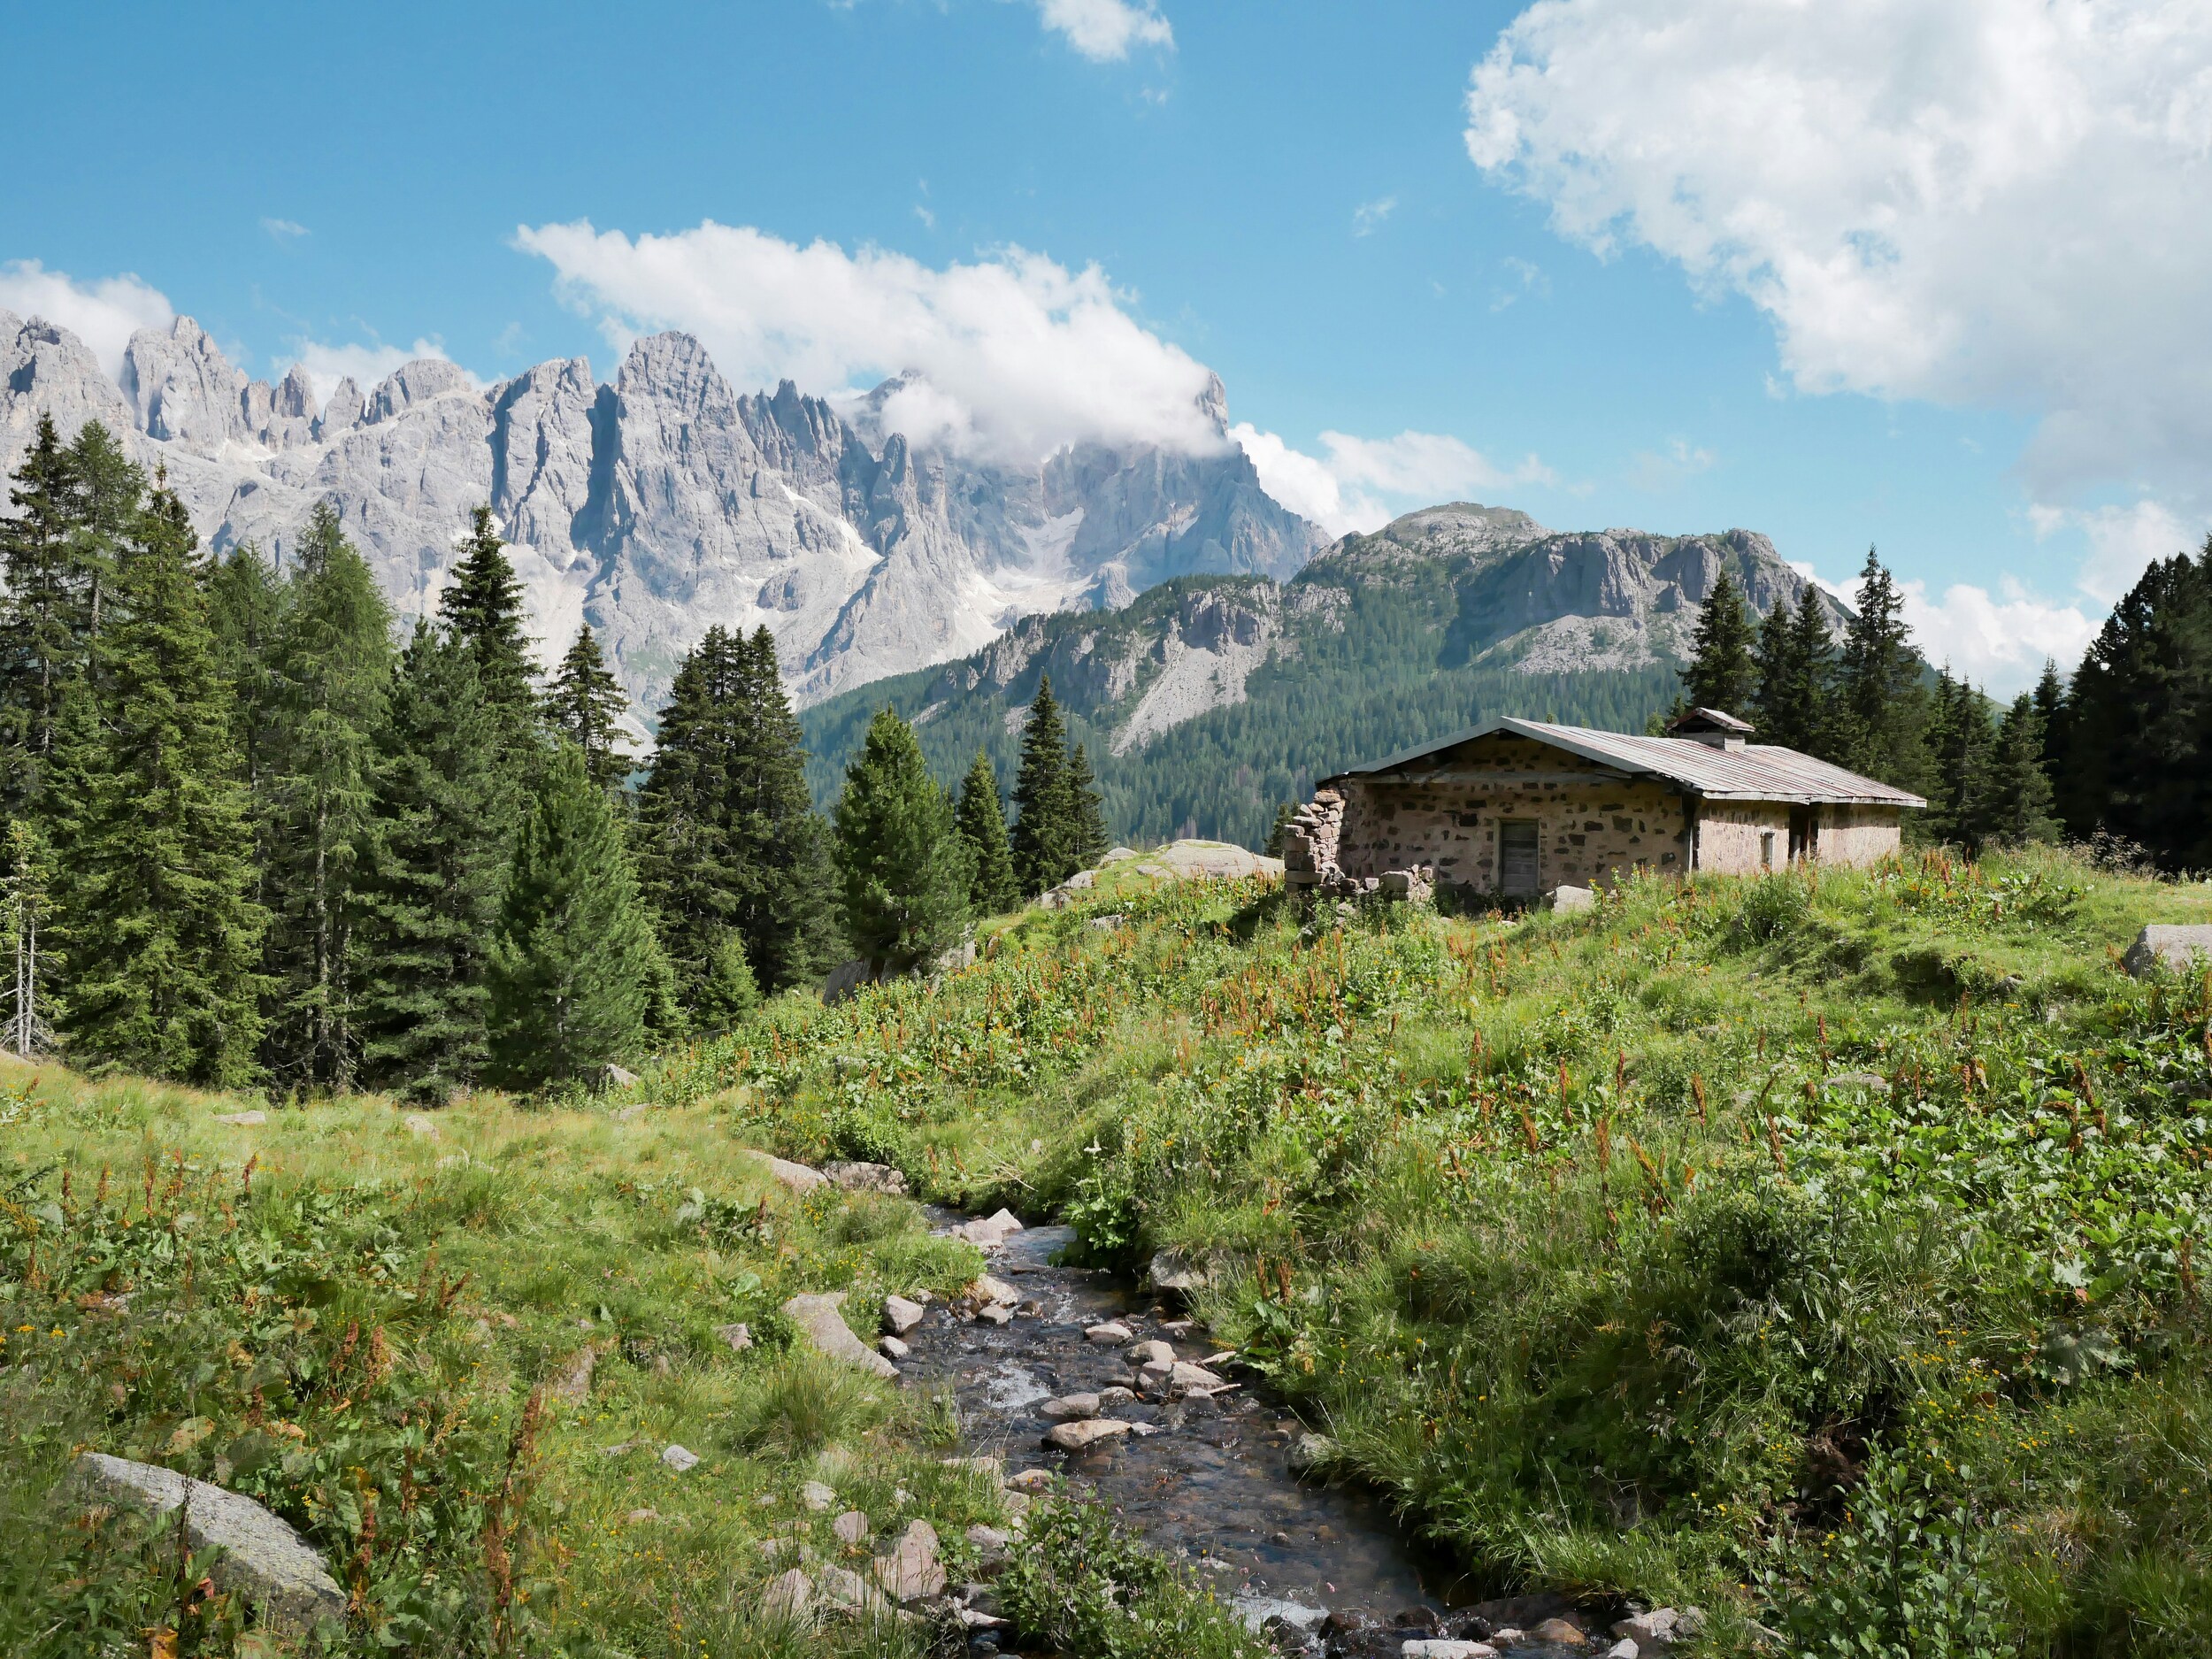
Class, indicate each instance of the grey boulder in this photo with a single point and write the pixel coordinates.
(826, 1330)
(2184, 950)
(263, 1561)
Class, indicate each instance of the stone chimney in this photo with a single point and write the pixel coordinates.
(1712, 727)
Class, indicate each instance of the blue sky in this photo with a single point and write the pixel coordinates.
(1599, 280)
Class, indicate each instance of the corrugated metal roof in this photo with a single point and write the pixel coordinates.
(1756, 772)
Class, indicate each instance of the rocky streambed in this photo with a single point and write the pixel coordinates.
(1066, 1371)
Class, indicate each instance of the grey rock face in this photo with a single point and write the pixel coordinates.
(264, 1560)
(2183, 949)
(666, 503)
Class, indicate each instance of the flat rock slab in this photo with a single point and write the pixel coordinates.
(1085, 1432)
(824, 1328)
(1069, 1408)
(1112, 1330)
(2182, 950)
(1185, 1377)
(263, 1561)
(912, 1571)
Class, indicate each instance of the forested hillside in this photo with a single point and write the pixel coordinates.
(1209, 702)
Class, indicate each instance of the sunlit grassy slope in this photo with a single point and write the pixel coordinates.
(1822, 1250)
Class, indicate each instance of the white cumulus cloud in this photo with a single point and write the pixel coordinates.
(1991, 203)
(1020, 355)
(1362, 483)
(364, 364)
(2000, 642)
(1104, 30)
(103, 313)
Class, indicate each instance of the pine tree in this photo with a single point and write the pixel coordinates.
(574, 966)
(785, 912)
(1961, 737)
(154, 868)
(903, 870)
(2052, 710)
(41, 630)
(245, 604)
(432, 863)
(481, 607)
(729, 841)
(1881, 706)
(1721, 673)
(1044, 854)
(1087, 819)
(1777, 704)
(1279, 832)
(982, 825)
(2138, 719)
(587, 705)
(331, 671)
(2018, 798)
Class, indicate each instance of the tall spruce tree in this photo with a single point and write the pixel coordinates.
(1881, 707)
(2017, 800)
(245, 606)
(432, 863)
(1043, 839)
(155, 873)
(1961, 737)
(1795, 663)
(1722, 672)
(42, 630)
(733, 856)
(2138, 719)
(332, 669)
(481, 607)
(982, 823)
(110, 490)
(904, 869)
(1086, 815)
(2050, 710)
(585, 704)
(575, 971)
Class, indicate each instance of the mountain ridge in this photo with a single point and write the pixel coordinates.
(1209, 700)
(663, 502)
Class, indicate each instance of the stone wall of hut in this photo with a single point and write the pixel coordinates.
(1592, 827)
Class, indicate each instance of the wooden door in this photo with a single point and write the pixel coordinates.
(1517, 858)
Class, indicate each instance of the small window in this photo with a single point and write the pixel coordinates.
(1766, 849)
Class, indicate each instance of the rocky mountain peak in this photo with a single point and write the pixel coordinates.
(663, 503)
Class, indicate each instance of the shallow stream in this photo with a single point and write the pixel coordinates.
(1212, 1482)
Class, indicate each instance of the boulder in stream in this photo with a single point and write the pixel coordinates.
(1069, 1407)
(989, 1233)
(900, 1315)
(1085, 1433)
(1153, 1352)
(1111, 1331)
(824, 1328)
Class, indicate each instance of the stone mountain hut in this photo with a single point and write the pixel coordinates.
(1516, 808)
